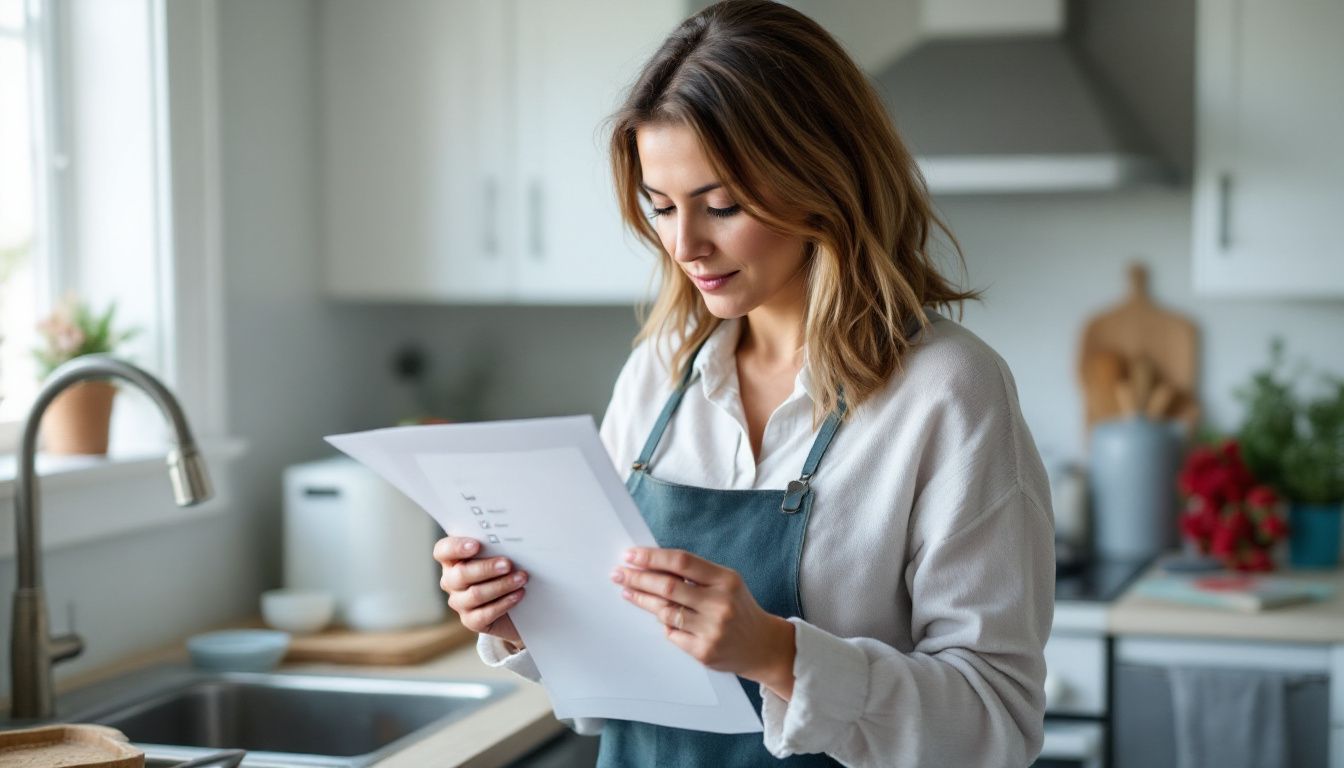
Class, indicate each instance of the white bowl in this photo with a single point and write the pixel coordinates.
(301, 611)
(390, 611)
(238, 650)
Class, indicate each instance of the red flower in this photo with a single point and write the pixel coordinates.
(1273, 527)
(1227, 513)
(1224, 543)
(1262, 496)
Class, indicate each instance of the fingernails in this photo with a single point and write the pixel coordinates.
(470, 546)
(618, 576)
(627, 594)
(635, 556)
(501, 566)
(517, 578)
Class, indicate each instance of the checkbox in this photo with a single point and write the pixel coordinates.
(493, 538)
(485, 523)
(475, 510)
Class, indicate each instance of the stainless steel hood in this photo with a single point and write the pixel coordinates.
(1018, 113)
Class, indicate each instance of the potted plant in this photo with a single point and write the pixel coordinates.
(77, 421)
(1297, 446)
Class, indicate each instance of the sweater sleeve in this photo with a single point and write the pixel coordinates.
(970, 694)
(980, 577)
(495, 654)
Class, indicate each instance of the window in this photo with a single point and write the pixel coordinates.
(85, 193)
(22, 247)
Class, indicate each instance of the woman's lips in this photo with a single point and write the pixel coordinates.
(712, 283)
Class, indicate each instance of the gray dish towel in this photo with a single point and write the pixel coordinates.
(1230, 718)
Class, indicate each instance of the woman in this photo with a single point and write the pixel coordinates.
(853, 516)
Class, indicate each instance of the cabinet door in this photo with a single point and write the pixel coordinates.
(574, 62)
(414, 147)
(1269, 186)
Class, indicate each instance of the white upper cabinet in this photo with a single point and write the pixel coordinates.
(414, 172)
(1269, 180)
(463, 149)
(575, 61)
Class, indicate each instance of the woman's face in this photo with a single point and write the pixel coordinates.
(737, 262)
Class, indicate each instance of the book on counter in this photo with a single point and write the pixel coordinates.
(1238, 592)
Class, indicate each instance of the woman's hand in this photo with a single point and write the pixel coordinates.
(480, 591)
(710, 614)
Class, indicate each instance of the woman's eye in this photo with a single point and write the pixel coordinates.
(720, 212)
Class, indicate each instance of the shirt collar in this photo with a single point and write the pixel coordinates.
(717, 364)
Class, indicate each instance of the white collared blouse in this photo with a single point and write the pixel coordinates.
(927, 575)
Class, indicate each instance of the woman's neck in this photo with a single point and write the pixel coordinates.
(773, 333)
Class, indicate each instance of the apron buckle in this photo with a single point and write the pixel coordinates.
(794, 495)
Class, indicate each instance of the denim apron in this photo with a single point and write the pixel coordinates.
(759, 534)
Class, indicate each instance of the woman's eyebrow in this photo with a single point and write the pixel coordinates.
(696, 193)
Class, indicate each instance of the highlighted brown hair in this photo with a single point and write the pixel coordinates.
(785, 115)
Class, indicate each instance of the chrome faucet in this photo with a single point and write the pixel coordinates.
(33, 650)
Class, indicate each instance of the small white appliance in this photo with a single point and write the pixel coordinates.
(350, 532)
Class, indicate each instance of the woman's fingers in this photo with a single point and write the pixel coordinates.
(484, 592)
(664, 585)
(681, 563)
(674, 615)
(451, 549)
(462, 575)
(482, 619)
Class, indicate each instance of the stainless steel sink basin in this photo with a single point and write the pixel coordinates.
(281, 719)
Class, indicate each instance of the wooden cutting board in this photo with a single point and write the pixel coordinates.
(68, 746)
(1139, 356)
(407, 646)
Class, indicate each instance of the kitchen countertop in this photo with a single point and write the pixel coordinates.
(1314, 622)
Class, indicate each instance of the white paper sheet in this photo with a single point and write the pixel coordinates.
(543, 493)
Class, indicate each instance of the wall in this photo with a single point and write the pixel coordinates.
(1048, 263)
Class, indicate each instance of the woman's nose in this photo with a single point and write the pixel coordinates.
(690, 244)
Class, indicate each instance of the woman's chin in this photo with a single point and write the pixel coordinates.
(724, 308)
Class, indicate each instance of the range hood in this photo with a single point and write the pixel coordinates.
(1021, 112)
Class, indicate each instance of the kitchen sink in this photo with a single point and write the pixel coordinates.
(281, 719)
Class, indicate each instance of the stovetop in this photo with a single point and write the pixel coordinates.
(1096, 580)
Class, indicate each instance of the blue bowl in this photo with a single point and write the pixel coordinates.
(238, 650)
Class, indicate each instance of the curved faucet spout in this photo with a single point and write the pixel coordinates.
(32, 649)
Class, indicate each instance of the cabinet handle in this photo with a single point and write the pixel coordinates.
(1224, 211)
(491, 240)
(537, 245)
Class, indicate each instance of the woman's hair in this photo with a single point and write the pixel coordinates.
(784, 115)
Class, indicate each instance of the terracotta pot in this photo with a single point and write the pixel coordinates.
(77, 420)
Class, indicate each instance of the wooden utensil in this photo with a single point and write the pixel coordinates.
(1102, 372)
(407, 646)
(1160, 401)
(68, 746)
(1134, 330)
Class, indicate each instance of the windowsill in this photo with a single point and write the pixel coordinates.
(75, 498)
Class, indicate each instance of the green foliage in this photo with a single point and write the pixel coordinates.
(73, 330)
(1296, 445)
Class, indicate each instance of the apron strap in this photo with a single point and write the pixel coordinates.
(798, 489)
(659, 426)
